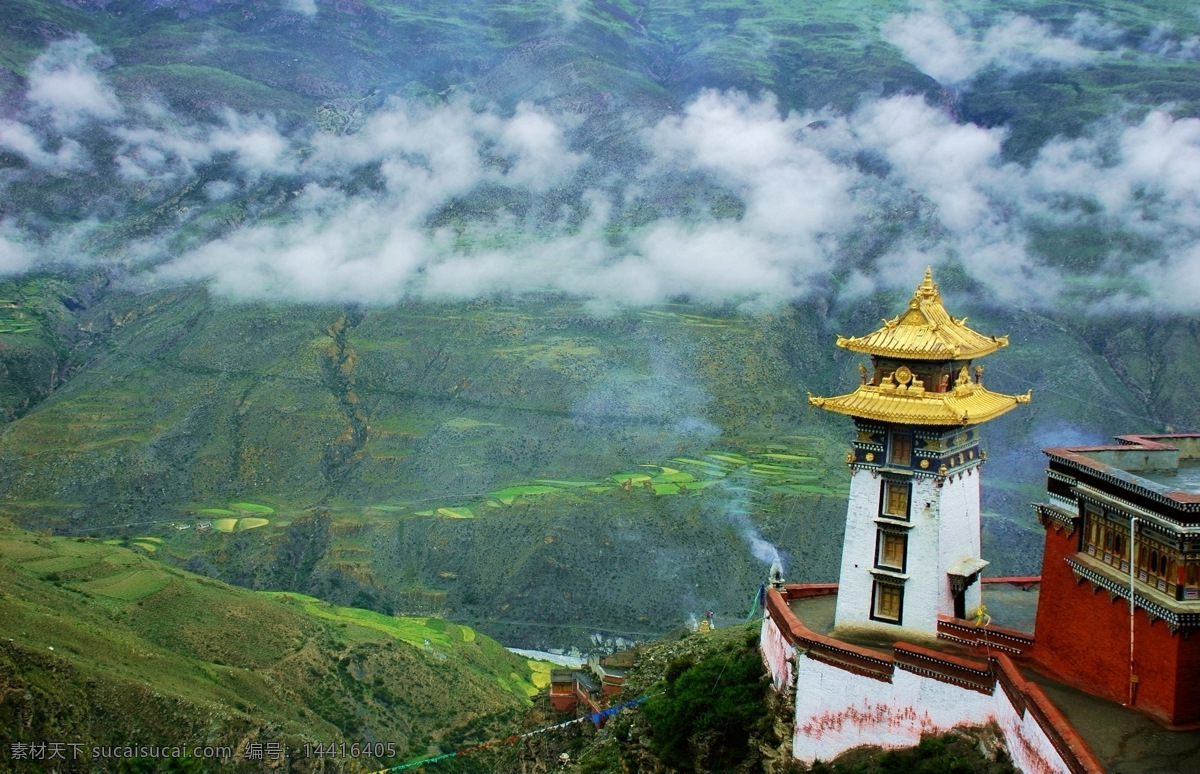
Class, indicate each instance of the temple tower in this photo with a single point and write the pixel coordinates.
(912, 545)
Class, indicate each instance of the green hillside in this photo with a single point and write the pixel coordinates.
(105, 646)
(471, 461)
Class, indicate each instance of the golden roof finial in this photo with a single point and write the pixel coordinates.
(928, 289)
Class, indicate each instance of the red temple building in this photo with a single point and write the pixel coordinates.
(1123, 522)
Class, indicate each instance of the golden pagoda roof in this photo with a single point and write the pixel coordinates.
(911, 404)
(926, 331)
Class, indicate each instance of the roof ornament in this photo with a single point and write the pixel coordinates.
(928, 289)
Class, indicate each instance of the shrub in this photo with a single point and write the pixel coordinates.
(705, 716)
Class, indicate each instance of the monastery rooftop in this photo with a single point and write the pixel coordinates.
(937, 389)
(926, 331)
(1163, 466)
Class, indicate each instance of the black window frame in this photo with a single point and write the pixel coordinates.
(880, 536)
(875, 616)
(884, 491)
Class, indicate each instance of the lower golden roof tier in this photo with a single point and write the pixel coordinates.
(911, 404)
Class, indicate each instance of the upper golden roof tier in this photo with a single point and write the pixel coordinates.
(906, 401)
(926, 331)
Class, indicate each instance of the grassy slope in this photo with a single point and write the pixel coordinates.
(104, 645)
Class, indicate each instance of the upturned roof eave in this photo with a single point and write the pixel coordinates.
(858, 344)
(927, 411)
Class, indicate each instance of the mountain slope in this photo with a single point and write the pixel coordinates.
(104, 646)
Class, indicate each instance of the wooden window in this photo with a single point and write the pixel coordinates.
(888, 602)
(1192, 574)
(890, 549)
(895, 499)
(1093, 535)
(901, 449)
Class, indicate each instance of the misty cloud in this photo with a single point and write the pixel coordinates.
(377, 248)
(456, 201)
(303, 7)
(14, 256)
(944, 45)
(21, 139)
(160, 148)
(1163, 42)
(64, 83)
(795, 195)
(1139, 179)
(569, 10)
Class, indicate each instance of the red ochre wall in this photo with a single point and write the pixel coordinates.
(1082, 637)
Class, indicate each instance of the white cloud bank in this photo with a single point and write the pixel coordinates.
(14, 256)
(802, 181)
(303, 7)
(64, 83)
(802, 190)
(23, 140)
(944, 46)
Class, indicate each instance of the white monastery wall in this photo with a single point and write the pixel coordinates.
(837, 710)
(945, 531)
(779, 654)
(1028, 745)
(960, 535)
(926, 569)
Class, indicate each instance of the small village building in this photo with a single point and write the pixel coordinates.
(610, 669)
(571, 689)
(591, 686)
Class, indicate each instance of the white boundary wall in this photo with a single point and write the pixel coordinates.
(960, 529)
(779, 655)
(858, 552)
(837, 710)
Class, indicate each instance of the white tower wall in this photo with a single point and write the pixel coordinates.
(960, 534)
(943, 528)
